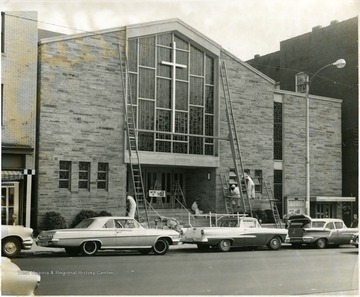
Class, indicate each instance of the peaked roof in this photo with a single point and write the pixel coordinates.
(155, 27)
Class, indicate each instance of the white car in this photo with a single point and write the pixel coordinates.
(109, 233)
(15, 238)
(234, 232)
(15, 281)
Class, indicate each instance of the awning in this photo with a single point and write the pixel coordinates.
(8, 175)
(332, 199)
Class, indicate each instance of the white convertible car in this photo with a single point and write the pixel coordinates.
(111, 233)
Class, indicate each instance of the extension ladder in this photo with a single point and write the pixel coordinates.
(234, 142)
(273, 206)
(132, 143)
(226, 193)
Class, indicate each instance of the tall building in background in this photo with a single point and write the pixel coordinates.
(310, 52)
(19, 37)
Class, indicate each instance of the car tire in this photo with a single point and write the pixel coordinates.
(89, 248)
(224, 245)
(72, 251)
(203, 247)
(321, 243)
(161, 246)
(274, 244)
(11, 247)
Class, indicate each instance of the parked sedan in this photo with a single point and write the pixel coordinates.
(15, 238)
(319, 232)
(109, 233)
(17, 282)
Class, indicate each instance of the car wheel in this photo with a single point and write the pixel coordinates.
(72, 251)
(11, 247)
(274, 243)
(161, 246)
(224, 245)
(203, 247)
(89, 248)
(321, 243)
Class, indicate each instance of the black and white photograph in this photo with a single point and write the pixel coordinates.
(179, 148)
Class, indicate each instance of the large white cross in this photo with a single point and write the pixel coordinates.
(173, 94)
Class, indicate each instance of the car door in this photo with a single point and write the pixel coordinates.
(333, 234)
(344, 234)
(107, 234)
(128, 233)
(252, 234)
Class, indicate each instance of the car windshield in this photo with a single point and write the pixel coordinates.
(319, 224)
(85, 223)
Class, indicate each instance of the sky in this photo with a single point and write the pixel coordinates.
(243, 27)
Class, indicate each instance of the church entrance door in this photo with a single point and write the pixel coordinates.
(164, 180)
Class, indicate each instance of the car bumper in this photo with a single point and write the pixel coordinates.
(28, 243)
(194, 240)
(46, 243)
(354, 242)
(175, 241)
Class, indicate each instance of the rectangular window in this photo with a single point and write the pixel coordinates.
(103, 176)
(3, 32)
(300, 82)
(278, 190)
(84, 175)
(258, 180)
(278, 127)
(65, 175)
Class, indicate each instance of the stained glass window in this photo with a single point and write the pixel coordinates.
(172, 87)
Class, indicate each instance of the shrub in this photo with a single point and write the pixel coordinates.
(104, 213)
(53, 220)
(82, 215)
(86, 214)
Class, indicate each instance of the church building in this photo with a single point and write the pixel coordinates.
(178, 100)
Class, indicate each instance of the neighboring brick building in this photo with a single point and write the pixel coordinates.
(19, 37)
(308, 53)
(82, 157)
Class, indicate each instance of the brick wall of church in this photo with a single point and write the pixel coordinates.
(252, 100)
(325, 145)
(80, 109)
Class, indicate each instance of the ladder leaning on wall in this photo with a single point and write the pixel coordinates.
(132, 143)
(273, 206)
(234, 142)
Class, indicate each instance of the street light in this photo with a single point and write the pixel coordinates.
(339, 64)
